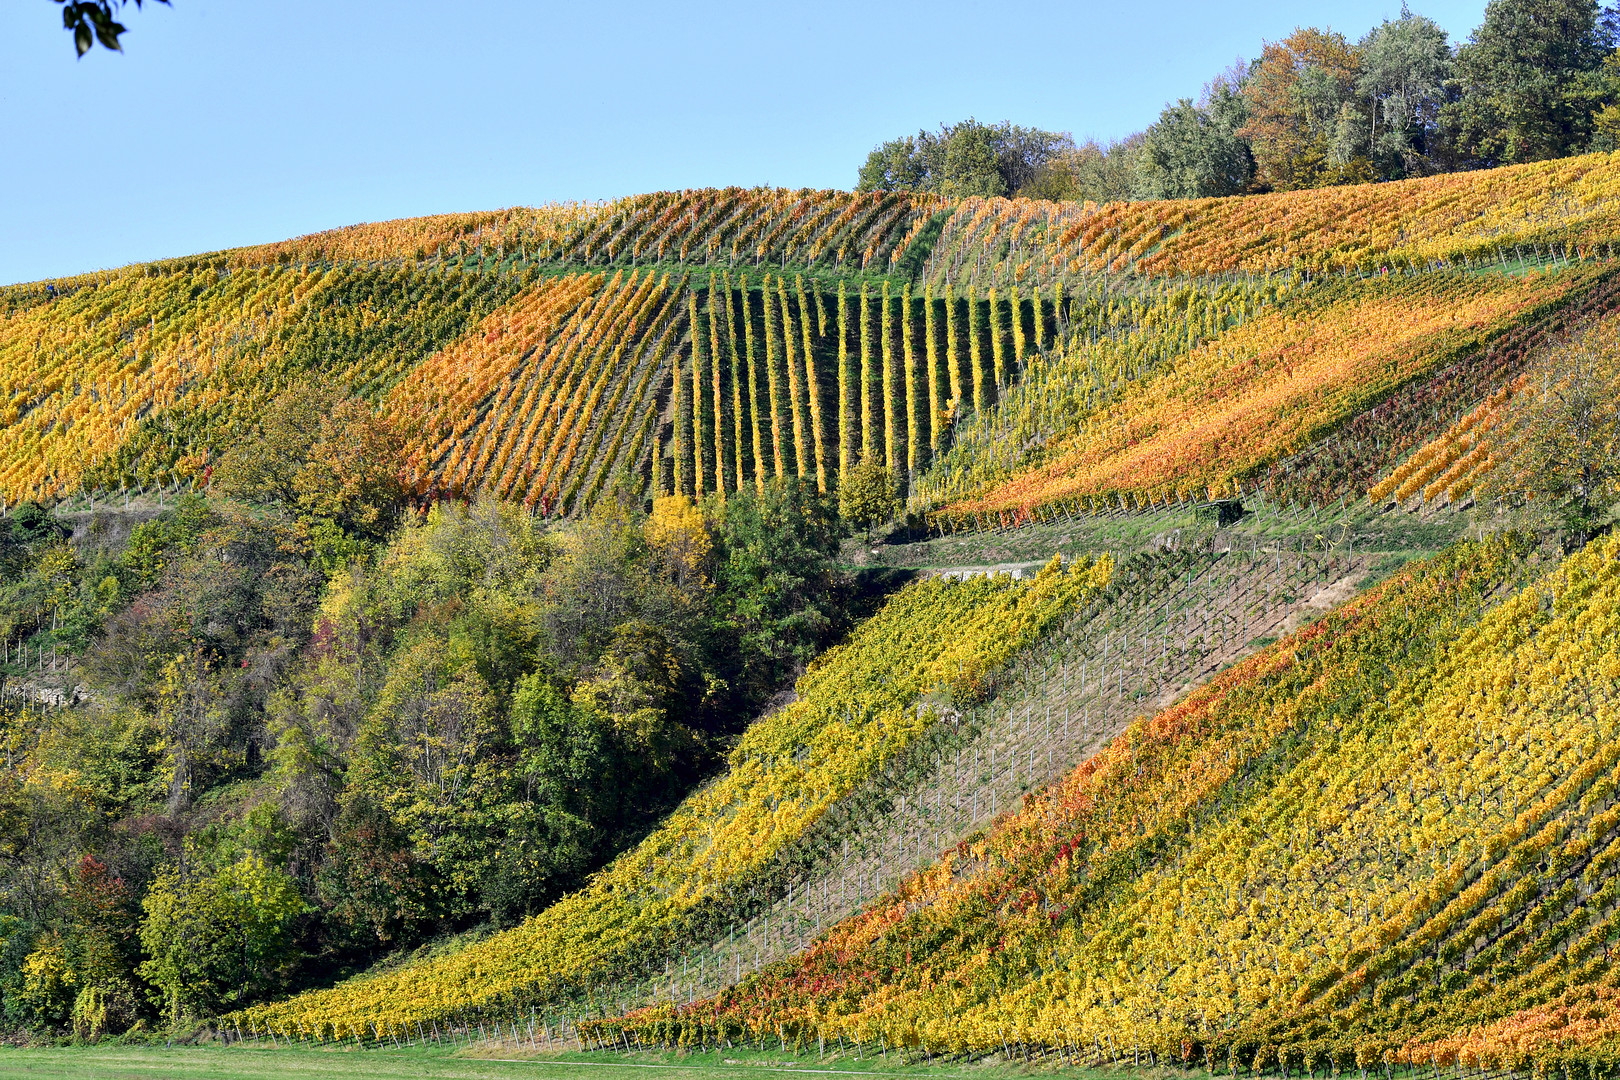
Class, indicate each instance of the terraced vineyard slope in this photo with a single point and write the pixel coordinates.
(699, 341)
(1347, 851)
(1165, 623)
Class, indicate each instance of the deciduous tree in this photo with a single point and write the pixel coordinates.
(220, 939)
(1307, 124)
(869, 495)
(962, 160)
(1567, 428)
(1405, 66)
(1195, 151)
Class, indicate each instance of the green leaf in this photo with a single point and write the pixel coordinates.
(107, 31)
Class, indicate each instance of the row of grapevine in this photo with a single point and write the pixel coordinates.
(1579, 1027)
(1471, 220)
(1166, 622)
(858, 708)
(134, 376)
(781, 379)
(1226, 410)
(517, 233)
(1394, 827)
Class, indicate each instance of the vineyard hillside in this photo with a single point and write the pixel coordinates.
(1176, 633)
(1384, 841)
(1002, 357)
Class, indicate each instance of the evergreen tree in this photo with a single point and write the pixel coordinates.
(1529, 81)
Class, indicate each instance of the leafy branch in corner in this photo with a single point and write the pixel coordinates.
(91, 21)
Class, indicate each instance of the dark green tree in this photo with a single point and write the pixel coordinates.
(373, 887)
(565, 804)
(778, 591)
(897, 165)
(1529, 81)
(1194, 151)
(969, 165)
(962, 160)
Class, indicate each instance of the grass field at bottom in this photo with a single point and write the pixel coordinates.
(252, 1063)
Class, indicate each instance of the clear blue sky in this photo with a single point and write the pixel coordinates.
(231, 122)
